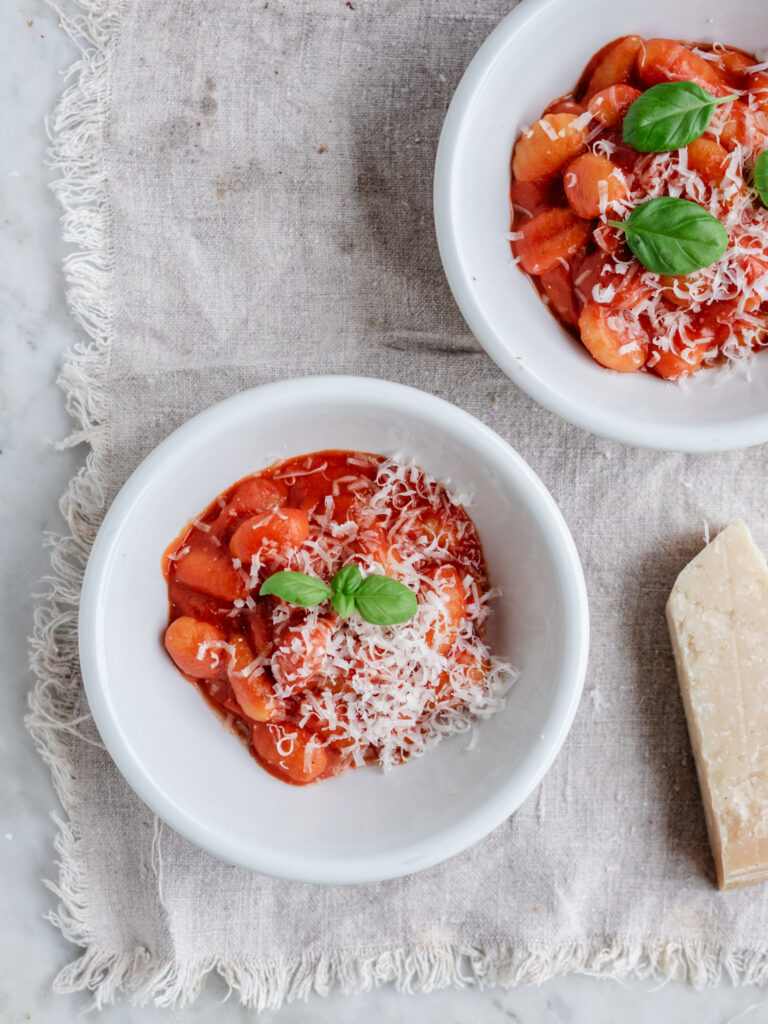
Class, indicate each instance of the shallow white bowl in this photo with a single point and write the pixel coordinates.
(536, 54)
(365, 825)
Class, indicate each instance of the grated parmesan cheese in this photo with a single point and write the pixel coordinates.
(548, 129)
(375, 694)
(382, 693)
(740, 276)
(581, 121)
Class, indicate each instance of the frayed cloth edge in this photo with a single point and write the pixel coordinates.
(266, 984)
(76, 131)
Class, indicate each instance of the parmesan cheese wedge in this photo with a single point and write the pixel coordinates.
(718, 620)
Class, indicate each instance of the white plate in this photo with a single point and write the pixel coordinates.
(536, 54)
(364, 825)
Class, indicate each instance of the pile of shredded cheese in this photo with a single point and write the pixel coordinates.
(392, 692)
(740, 276)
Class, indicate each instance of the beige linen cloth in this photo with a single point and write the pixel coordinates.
(247, 187)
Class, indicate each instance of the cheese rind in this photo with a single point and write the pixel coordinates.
(718, 620)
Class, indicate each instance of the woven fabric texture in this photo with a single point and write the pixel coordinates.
(248, 186)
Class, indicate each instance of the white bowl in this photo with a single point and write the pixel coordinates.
(365, 825)
(536, 54)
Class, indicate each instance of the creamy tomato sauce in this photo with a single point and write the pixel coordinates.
(572, 172)
(311, 692)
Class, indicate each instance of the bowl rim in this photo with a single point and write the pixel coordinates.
(658, 436)
(408, 858)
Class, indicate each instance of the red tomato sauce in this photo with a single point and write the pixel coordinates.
(307, 689)
(572, 172)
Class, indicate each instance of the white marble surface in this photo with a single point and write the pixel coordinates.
(34, 331)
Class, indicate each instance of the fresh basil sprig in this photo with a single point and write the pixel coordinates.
(296, 588)
(673, 236)
(760, 177)
(343, 587)
(669, 116)
(385, 602)
(379, 599)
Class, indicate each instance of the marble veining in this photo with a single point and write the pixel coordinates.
(35, 328)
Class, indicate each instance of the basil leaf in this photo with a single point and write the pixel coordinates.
(296, 588)
(673, 236)
(343, 603)
(346, 581)
(384, 601)
(669, 116)
(760, 178)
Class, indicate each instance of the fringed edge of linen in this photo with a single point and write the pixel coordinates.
(76, 131)
(263, 984)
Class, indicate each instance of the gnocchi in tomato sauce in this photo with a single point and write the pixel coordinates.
(572, 173)
(311, 692)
